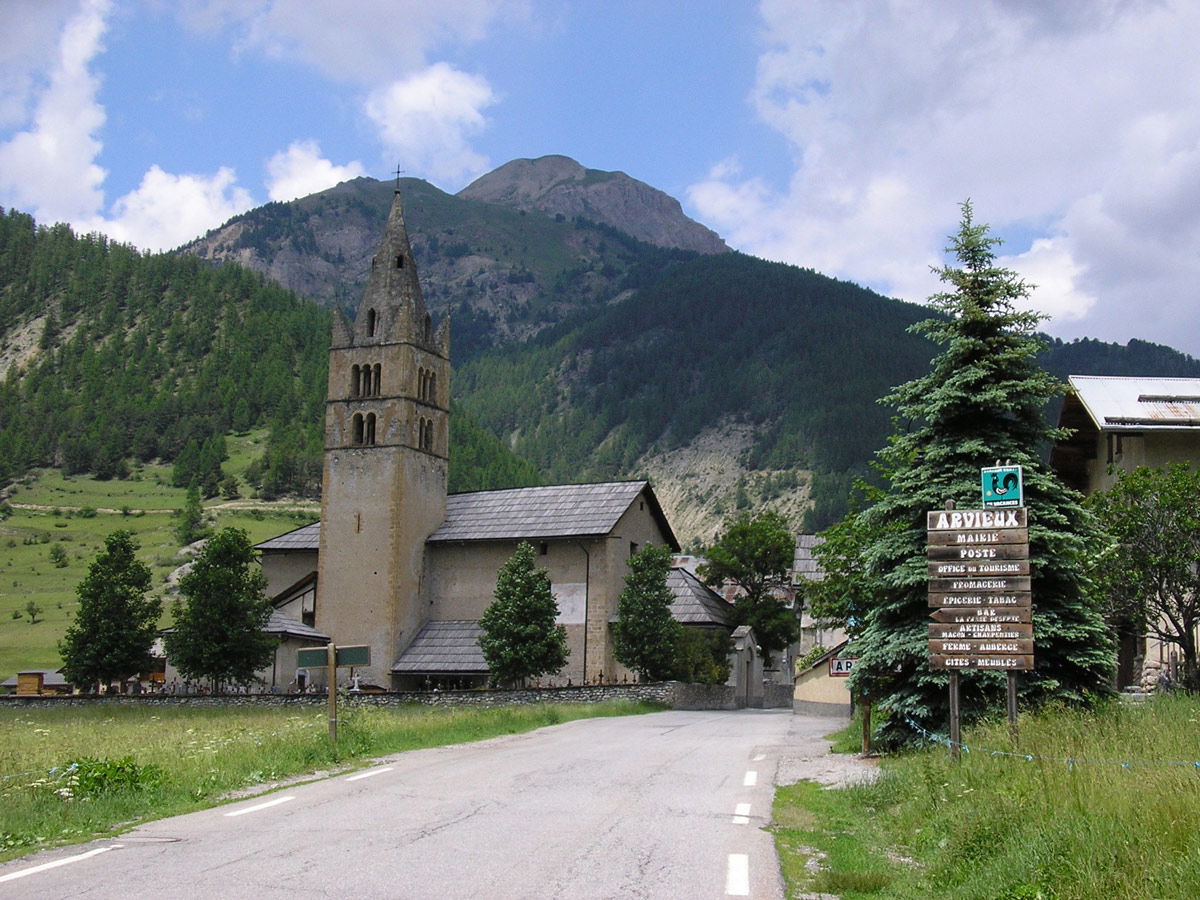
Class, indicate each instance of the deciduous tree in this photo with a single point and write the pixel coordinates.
(520, 639)
(645, 634)
(1148, 573)
(218, 632)
(115, 625)
(756, 553)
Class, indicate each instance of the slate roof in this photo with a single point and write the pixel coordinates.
(306, 537)
(446, 647)
(695, 603)
(533, 513)
(287, 626)
(804, 565)
(1117, 403)
(50, 678)
(538, 513)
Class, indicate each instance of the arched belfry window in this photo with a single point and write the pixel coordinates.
(399, 261)
(369, 430)
(432, 392)
(371, 322)
(357, 437)
(355, 381)
(428, 328)
(377, 386)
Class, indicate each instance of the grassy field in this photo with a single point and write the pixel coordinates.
(134, 763)
(76, 514)
(1100, 805)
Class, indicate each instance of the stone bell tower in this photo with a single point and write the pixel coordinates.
(386, 449)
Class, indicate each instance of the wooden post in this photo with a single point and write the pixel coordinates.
(1012, 706)
(955, 734)
(331, 687)
(865, 704)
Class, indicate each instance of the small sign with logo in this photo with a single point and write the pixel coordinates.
(1002, 486)
(840, 666)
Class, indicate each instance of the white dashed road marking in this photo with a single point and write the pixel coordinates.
(751, 779)
(741, 814)
(269, 803)
(373, 772)
(13, 876)
(737, 875)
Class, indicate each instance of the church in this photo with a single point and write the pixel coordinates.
(397, 564)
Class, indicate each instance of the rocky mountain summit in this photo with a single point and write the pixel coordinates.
(559, 186)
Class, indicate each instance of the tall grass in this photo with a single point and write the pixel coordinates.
(69, 774)
(1100, 804)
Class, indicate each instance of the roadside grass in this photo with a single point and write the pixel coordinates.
(1100, 804)
(77, 514)
(140, 762)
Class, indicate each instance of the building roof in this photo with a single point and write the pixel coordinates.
(533, 513)
(306, 537)
(287, 626)
(695, 603)
(1139, 404)
(804, 565)
(539, 513)
(50, 678)
(445, 648)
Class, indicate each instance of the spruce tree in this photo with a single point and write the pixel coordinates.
(983, 400)
(116, 622)
(645, 634)
(520, 638)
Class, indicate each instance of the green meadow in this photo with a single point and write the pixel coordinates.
(1099, 805)
(46, 510)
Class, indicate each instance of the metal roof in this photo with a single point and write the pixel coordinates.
(444, 647)
(1117, 403)
(535, 513)
(306, 537)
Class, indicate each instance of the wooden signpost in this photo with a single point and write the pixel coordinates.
(980, 597)
(331, 657)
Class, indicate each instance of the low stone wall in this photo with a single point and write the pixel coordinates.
(671, 693)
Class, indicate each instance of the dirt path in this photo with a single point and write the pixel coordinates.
(807, 757)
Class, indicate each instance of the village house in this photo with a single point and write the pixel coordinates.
(1117, 424)
(398, 565)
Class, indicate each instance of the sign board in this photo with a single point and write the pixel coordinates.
(840, 666)
(318, 657)
(980, 588)
(312, 657)
(1002, 486)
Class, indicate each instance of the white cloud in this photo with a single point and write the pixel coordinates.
(31, 30)
(168, 210)
(301, 170)
(1080, 123)
(367, 41)
(425, 121)
(49, 167)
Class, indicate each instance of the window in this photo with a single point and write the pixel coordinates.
(544, 548)
(357, 438)
(428, 328)
(633, 548)
(425, 435)
(399, 261)
(371, 323)
(355, 381)
(377, 387)
(369, 435)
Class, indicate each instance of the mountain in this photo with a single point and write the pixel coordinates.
(557, 237)
(732, 382)
(559, 186)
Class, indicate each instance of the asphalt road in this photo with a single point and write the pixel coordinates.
(666, 805)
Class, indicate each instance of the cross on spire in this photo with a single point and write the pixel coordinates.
(399, 172)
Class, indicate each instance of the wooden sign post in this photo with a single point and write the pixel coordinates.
(981, 598)
(331, 657)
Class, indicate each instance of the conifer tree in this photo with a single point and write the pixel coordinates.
(645, 633)
(520, 638)
(116, 622)
(982, 401)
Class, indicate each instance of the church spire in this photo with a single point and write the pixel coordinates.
(393, 308)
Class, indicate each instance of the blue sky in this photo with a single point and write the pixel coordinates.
(838, 135)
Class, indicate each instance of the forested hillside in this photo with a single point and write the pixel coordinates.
(111, 356)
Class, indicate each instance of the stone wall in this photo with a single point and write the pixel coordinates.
(670, 693)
